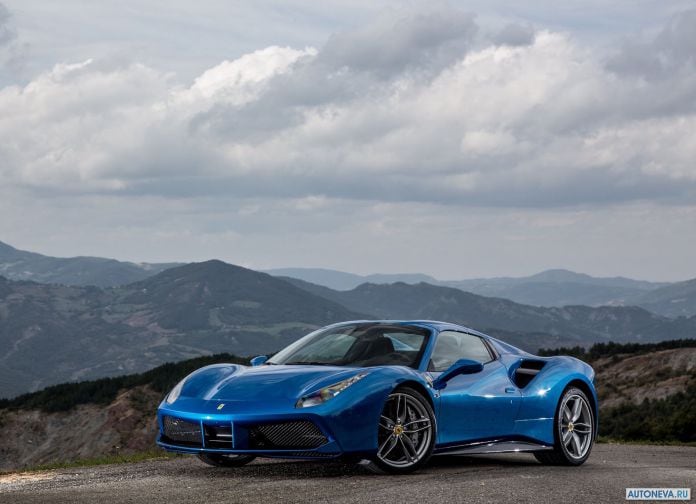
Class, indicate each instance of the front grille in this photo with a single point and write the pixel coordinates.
(181, 432)
(218, 435)
(301, 435)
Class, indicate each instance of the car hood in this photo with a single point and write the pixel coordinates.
(263, 383)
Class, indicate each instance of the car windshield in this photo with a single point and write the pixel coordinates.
(359, 345)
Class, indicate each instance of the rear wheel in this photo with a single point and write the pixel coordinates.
(573, 431)
(225, 460)
(405, 434)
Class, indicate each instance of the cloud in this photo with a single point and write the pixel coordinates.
(515, 34)
(427, 107)
(672, 50)
(6, 31)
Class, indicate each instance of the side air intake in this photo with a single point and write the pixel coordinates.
(526, 372)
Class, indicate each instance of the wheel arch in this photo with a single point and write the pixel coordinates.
(591, 395)
(420, 388)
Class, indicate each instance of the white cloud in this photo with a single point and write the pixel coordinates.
(238, 82)
(384, 123)
(433, 115)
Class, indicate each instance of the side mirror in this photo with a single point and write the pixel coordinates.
(259, 360)
(462, 366)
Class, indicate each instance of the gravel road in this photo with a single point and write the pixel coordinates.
(501, 478)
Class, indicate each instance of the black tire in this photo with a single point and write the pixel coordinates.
(413, 434)
(574, 435)
(223, 460)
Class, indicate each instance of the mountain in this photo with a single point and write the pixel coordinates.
(21, 265)
(557, 287)
(340, 280)
(675, 300)
(50, 333)
(116, 416)
(517, 321)
(56, 333)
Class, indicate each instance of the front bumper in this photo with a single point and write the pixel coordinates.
(286, 436)
(344, 425)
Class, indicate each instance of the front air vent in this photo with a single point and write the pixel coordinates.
(526, 372)
(299, 435)
(181, 432)
(218, 435)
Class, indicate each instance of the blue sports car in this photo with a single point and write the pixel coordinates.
(388, 394)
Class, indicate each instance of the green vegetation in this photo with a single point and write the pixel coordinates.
(154, 454)
(670, 419)
(600, 350)
(68, 395)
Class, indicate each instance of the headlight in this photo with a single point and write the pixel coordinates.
(176, 391)
(328, 393)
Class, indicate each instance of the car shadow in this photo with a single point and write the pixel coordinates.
(272, 468)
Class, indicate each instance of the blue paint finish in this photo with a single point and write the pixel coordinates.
(476, 406)
(471, 409)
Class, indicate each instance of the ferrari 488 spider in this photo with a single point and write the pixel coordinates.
(388, 394)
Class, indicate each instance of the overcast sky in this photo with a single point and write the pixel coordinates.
(459, 139)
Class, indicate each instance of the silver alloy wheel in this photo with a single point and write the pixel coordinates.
(405, 431)
(576, 426)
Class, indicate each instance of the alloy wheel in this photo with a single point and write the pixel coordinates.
(405, 431)
(576, 426)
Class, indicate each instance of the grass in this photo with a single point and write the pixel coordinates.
(609, 440)
(153, 454)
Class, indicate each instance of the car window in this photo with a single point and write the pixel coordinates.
(359, 345)
(452, 346)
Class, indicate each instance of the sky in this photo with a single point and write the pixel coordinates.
(457, 139)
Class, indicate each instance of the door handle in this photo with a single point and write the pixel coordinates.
(510, 390)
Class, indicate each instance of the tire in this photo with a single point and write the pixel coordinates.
(574, 431)
(405, 433)
(222, 460)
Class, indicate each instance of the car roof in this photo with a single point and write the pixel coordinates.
(438, 326)
(432, 324)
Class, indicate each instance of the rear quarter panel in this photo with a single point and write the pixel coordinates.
(541, 396)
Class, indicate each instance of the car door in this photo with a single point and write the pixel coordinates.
(477, 406)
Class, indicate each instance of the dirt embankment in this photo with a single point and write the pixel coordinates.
(127, 425)
(649, 376)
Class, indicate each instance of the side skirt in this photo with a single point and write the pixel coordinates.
(496, 446)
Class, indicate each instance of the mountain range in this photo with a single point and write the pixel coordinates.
(53, 333)
(555, 287)
(523, 325)
(18, 264)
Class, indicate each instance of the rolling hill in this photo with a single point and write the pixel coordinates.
(54, 333)
(549, 288)
(675, 300)
(340, 280)
(22, 265)
(517, 322)
(556, 287)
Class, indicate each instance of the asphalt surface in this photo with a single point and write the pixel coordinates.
(500, 478)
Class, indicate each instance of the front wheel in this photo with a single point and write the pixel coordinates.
(574, 431)
(405, 434)
(225, 460)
